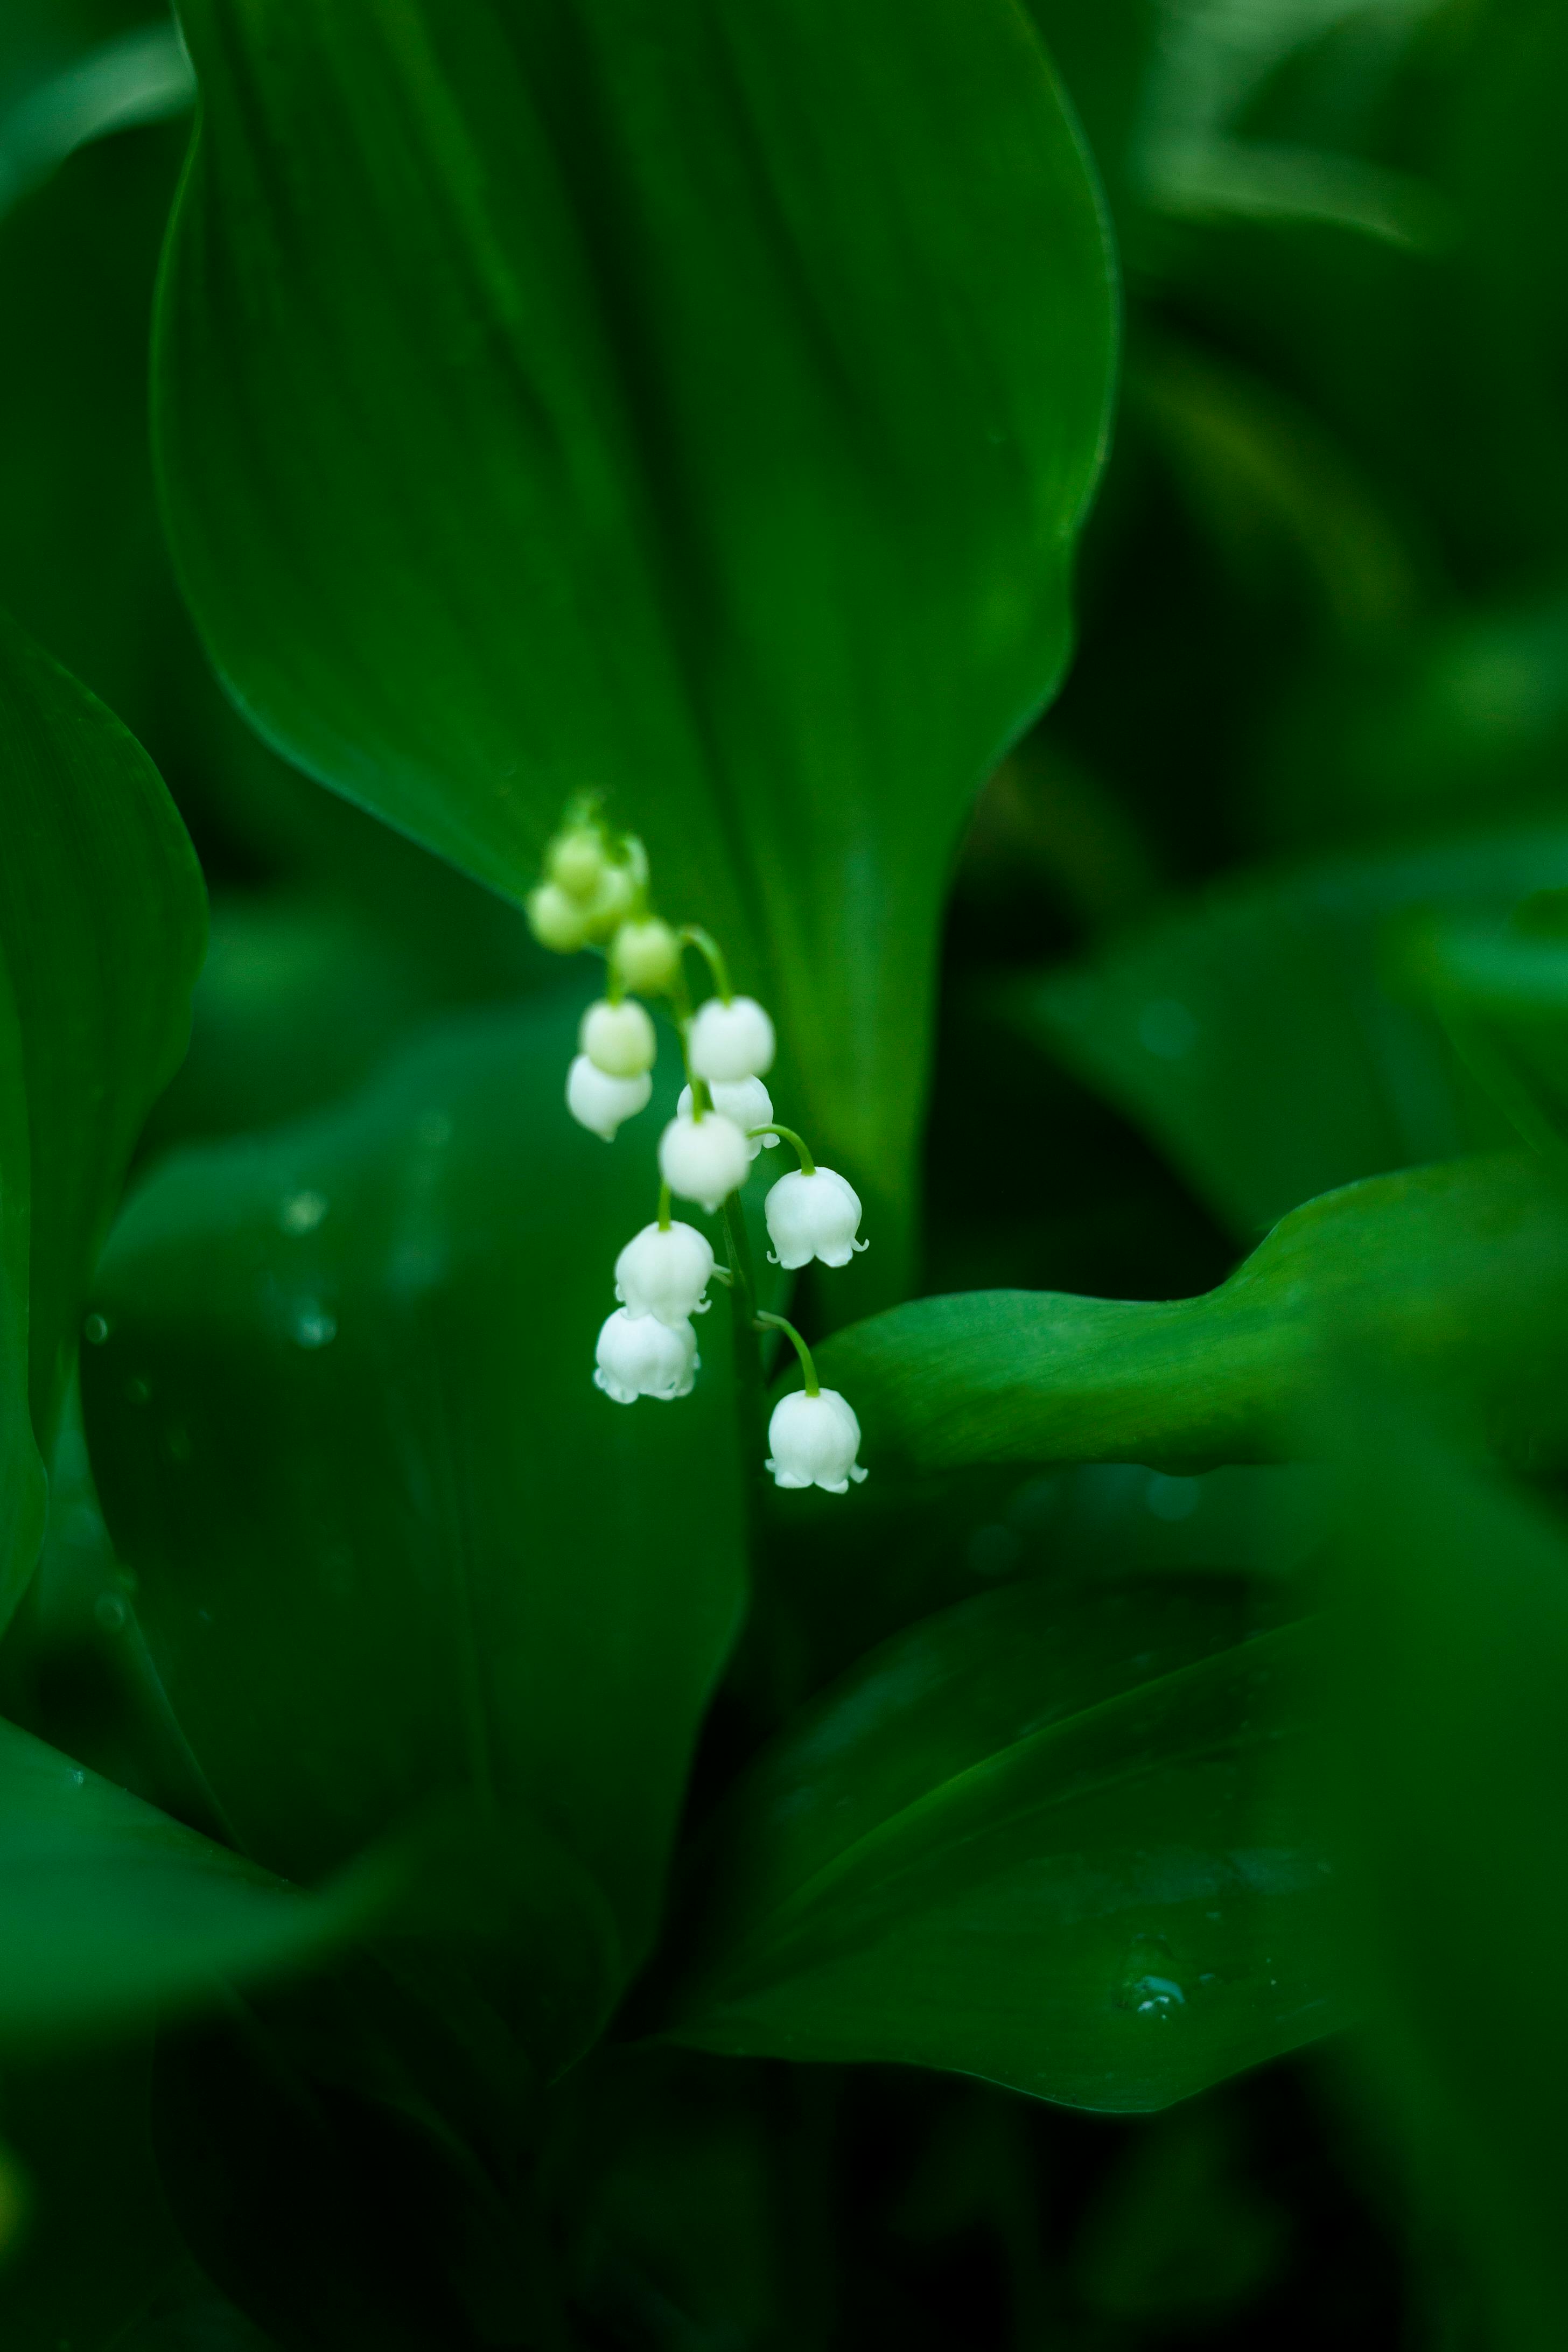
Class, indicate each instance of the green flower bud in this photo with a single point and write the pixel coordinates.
(557, 922)
(575, 861)
(647, 955)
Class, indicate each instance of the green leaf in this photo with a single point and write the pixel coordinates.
(102, 925)
(1254, 1035)
(1040, 1845)
(1458, 1272)
(393, 1548)
(111, 1910)
(1501, 993)
(699, 407)
(1453, 1760)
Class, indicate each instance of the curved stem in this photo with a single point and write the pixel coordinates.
(664, 1207)
(777, 1323)
(680, 1005)
(807, 1164)
(694, 936)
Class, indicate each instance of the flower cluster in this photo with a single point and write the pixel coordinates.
(595, 893)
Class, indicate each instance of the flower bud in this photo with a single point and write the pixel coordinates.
(647, 955)
(813, 1216)
(610, 904)
(664, 1273)
(705, 1159)
(732, 1041)
(746, 1101)
(600, 1102)
(557, 922)
(815, 1441)
(638, 1355)
(618, 1038)
(574, 860)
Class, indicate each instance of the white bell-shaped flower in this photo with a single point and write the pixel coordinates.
(618, 1038)
(600, 1102)
(663, 1272)
(745, 1100)
(813, 1215)
(704, 1159)
(815, 1441)
(730, 1041)
(638, 1355)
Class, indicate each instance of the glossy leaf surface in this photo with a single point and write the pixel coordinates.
(1256, 1037)
(394, 1550)
(697, 403)
(103, 924)
(111, 1910)
(1458, 1272)
(1030, 1842)
(1453, 1754)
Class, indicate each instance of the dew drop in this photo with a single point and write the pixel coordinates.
(311, 1325)
(138, 1390)
(177, 1438)
(95, 1330)
(301, 1212)
(1147, 1987)
(79, 1779)
(109, 1611)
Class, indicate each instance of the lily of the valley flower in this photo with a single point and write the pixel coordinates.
(663, 1272)
(730, 1041)
(746, 1101)
(618, 1038)
(704, 1159)
(639, 1356)
(602, 1103)
(646, 955)
(813, 1212)
(815, 1441)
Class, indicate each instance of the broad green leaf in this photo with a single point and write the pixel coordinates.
(393, 1546)
(1255, 1034)
(1453, 1756)
(1052, 1847)
(111, 1911)
(699, 407)
(103, 924)
(1458, 1273)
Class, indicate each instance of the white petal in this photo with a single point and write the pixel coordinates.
(730, 1041)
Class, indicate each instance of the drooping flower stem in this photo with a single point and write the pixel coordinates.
(664, 1208)
(777, 1323)
(680, 1005)
(745, 1327)
(796, 1142)
(692, 935)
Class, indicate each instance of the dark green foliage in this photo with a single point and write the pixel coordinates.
(479, 1864)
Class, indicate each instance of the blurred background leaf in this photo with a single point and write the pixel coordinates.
(102, 925)
(1449, 1742)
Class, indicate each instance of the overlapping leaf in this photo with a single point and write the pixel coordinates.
(698, 406)
(1458, 1273)
(102, 923)
(393, 1548)
(1054, 1847)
